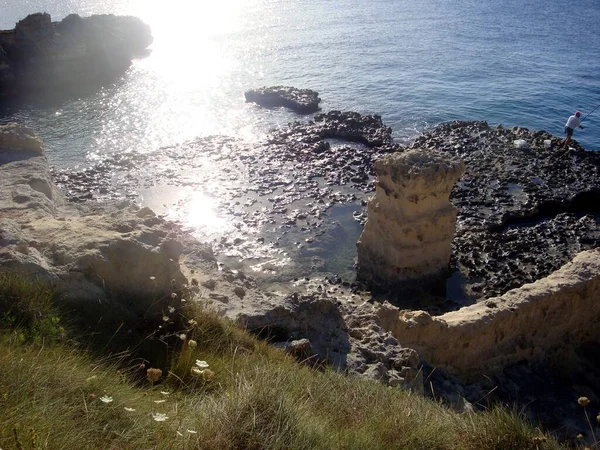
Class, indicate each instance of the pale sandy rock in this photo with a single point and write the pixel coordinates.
(91, 253)
(14, 136)
(347, 338)
(411, 222)
(542, 321)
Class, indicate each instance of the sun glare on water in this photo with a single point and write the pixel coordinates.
(202, 214)
(188, 31)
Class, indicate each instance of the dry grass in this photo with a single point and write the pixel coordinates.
(253, 397)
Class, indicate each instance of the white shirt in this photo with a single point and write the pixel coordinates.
(573, 122)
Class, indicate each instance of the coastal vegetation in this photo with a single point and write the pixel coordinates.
(187, 379)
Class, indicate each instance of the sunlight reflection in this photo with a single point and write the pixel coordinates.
(201, 214)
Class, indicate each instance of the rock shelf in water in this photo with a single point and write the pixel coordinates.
(41, 56)
(522, 213)
(302, 101)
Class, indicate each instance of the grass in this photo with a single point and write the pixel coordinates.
(56, 393)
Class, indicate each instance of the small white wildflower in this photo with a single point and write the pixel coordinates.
(159, 417)
(192, 322)
(192, 431)
(183, 336)
(129, 409)
(196, 372)
(153, 278)
(192, 343)
(201, 364)
(166, 318)
(159, 401)
(165, 393)
(173, 295)
(171, 309)
(106, 399)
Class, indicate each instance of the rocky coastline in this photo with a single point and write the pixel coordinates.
(522, 214)
(43, 57)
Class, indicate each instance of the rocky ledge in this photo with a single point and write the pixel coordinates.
(44, 56)
(129, 260)
(525, 206)
(302, 101)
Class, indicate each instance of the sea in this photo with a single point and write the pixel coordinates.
(417, 64)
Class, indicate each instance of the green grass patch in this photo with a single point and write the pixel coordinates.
(218, 388)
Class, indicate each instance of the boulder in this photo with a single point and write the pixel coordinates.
(14, 136)
(302, 101)
(410, 222)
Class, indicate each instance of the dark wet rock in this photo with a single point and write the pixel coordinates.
(349, 126)
(523, 213)
(40, 56)
(302, 101)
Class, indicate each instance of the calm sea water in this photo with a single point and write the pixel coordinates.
(417, 64)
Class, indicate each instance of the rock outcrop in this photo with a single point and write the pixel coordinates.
(545, 321)
(91, 254)
(410, 222)
(118, 257)
(302, 101)
(40, 56)
(523, 213)
(317, 330)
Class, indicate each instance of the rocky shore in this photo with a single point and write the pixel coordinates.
(524, 209)
(43, 57)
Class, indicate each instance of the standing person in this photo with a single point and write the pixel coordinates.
(572, 123)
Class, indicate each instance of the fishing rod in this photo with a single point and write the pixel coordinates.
(589, 113)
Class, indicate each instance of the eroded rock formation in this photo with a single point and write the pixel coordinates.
(545, 321)
(410, 222)
(119, 257)
(40, 56)
(302, 101)
(315, 328)
(89, 253)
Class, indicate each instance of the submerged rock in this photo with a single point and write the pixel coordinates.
(40, 56)
(302, 101)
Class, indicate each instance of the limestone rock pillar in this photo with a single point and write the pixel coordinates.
(411, 223)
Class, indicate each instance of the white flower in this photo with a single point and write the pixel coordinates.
(165, 392)
(106, 399)
(196, 372)
(192, 322)
(183, 336)
(192, 431)
(166, 318)
(171, 309)
(173, 295)
(129, 409)
(159, 401)
(159, 417)
(192, 343)
(202, 364)
(153, 278)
